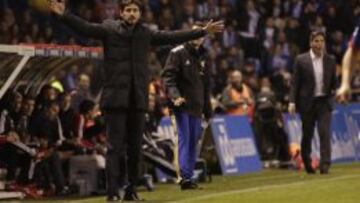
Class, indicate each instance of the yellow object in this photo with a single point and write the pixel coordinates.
(40, 5)
(57, 85)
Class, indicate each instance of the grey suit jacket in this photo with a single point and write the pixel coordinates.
(303, 81)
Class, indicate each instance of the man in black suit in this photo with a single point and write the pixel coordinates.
(125, 93)
(313, 86)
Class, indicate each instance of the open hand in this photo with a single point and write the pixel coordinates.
(12, 137)
(214, 27)
(343, 94)
(179, 101)
(57, 6)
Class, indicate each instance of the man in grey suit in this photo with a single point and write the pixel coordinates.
(313, 86)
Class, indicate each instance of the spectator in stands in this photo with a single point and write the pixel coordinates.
(82, 91)
(235, 58)
(48, 172)
(250, 75)
(47, 95)
(48, 126)
(271, 138)
(8, 21)
(22, 128)
(70, 79)
(281, 82)
(152, 119)
(338, 45)
(221, 76)
(66, 115)
(9, 121)
(158, 90)
(49, 134)
(293, 32)
(237, 97)
(10, 115)
(12, 159)
(107, 9)
(249, 25)
(8, 138)
(84, 123)
(229, 37)
(268, 34)
(149, 20)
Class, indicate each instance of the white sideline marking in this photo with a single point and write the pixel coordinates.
(240, 191)
(246, 179)
(255, 189)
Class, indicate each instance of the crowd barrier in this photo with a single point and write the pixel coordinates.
(235, 143)
(345, 133)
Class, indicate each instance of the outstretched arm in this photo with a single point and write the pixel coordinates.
(347, 62)
(178, 37)
(79, 25)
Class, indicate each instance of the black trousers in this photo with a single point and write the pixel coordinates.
(49, 171)
(124, 129)
(13, 158)
(320, 114)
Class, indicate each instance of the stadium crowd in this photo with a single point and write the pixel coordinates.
(250, 62)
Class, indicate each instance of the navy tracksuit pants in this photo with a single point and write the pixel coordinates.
(189, 132)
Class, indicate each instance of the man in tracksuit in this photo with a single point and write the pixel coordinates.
(124, 98)
(186, 78)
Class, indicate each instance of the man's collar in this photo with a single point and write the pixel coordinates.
(201, 50)
(313, 56)
(127, 25)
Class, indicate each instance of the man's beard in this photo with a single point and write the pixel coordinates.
(238, 86)
(131, 21)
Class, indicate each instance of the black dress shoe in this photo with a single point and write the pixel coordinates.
(310, 171)
(131, 195)
(324, 171)
(113, 198)
(188, 185)
(65, 191)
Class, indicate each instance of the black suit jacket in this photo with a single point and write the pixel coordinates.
(126, 74)
(303, 83)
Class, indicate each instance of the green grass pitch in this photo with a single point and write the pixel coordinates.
(342, 185)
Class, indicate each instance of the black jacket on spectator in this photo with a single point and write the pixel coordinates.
(67, 122)
(125, 57)
(185, 75)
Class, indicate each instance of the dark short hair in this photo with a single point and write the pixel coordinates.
(316, 33)
(86, 106)
(63, 95)
(124, 3)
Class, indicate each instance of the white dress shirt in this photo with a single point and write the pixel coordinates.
(319, 73)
